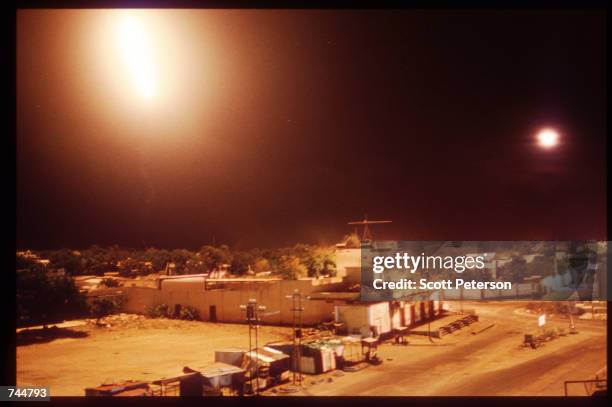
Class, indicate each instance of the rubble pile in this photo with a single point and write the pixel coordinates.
(117, 320)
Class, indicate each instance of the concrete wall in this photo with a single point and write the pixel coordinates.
(276, 296)
(396, 315)
(355, 318)
(418, 314)
(358, 318)
(137, 299)
(346, 258)
(352, 275)
(379, 316)
(408, 314)
(226, 302)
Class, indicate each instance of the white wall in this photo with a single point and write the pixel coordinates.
(378, 316)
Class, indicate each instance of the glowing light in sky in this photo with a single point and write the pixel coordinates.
(548, 138)
(137, 54)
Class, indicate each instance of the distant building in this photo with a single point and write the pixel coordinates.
(27, 254)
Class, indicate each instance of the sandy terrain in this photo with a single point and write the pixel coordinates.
(141, 350)
(488, 363)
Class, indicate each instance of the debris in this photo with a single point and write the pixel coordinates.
(483, 329)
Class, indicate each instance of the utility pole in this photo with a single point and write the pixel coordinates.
(297, 336)
(252, 316)
(297, 309)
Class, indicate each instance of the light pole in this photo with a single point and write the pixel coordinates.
(297, 336)
(252, 317)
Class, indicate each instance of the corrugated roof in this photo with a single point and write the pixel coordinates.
(220, 369)
(267, 354)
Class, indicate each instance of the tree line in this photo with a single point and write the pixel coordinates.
(300, 260)
(45, 296)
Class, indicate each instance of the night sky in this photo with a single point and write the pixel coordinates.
(278, 127)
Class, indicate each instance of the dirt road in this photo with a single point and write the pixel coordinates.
(488, 364)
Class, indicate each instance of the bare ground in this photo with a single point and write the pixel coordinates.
(140, 349)
(488, 363)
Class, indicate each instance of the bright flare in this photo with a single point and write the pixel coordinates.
(548, 138)
(136, 51)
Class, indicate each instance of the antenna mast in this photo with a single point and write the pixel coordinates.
(366, 234)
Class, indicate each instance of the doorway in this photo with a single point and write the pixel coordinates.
(212, 313)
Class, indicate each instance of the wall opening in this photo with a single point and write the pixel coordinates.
(212, 313)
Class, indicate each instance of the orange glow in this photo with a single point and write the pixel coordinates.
(136, 50)
(548, 138)
(163, 65)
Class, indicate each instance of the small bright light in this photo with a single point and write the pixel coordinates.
(548, 138)
(136, 51)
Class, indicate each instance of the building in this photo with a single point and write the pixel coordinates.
(219, 299)
(369, 319)
(327, 299)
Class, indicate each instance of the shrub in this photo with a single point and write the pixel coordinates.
(101, 307)
(188, 313)
(159, 311)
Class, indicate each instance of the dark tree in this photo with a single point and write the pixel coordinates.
(240, 263)
(67, 260)
(44, 298)
(100, 307)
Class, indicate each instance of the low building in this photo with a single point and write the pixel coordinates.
(325, 299)
(222, 375)
(220, 299)
(368, 319)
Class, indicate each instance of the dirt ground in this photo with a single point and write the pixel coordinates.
(137, 349)
(490, 362)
